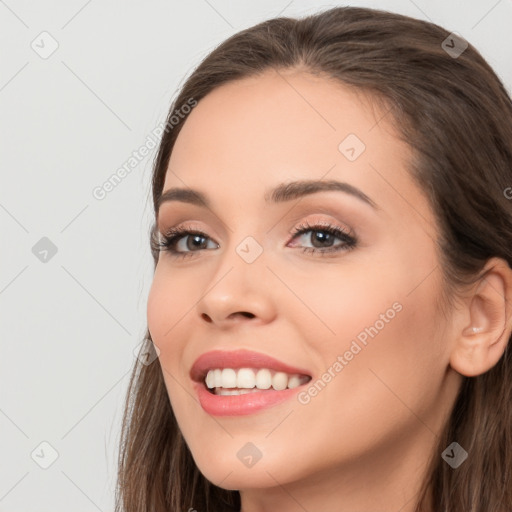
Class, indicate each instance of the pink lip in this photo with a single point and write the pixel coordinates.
(236, 405)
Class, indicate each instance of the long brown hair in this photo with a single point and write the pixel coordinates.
(456, 114)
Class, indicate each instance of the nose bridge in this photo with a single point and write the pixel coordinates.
(239, 283)
(243, 265)
(246, 240)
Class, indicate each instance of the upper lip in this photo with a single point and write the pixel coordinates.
(238, 359)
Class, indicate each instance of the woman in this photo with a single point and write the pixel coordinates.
(331, 303)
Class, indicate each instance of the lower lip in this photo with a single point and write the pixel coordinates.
(238, 405)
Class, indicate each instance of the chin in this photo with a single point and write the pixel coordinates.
(229, 471)
(239, 478)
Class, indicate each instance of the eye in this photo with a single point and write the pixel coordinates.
(184, 242)
(323, 239)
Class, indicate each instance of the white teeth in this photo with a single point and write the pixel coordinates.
(228, 378)
(218, 378)
(263, 379)
(210, 380)
(246, 380)
(279, 381)
(222, 391)
(294, 381)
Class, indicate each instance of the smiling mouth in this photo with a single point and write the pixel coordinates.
(240, 381)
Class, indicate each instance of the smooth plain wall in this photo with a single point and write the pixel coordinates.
(83, 86)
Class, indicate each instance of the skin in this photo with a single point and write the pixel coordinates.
(362, 443)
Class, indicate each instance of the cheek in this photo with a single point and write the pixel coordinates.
(170, 299)
(167, 307)
(392, 362)
(171, 305)
(383, 325)
(338, 306)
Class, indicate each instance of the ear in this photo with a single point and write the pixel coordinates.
(485, 321)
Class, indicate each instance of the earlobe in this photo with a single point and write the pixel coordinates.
(486, 322)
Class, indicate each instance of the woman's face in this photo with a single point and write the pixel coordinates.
(358, 316)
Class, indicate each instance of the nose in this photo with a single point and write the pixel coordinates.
(238, 292)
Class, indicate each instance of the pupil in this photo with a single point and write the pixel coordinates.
(198, 240)
(321, 237)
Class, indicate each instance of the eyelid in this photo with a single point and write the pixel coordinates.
(292, 231)
(316, 224)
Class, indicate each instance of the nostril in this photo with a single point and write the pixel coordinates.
(204, 316)
(241, 313)
(244, 313)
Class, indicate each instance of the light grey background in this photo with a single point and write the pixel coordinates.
(69, 326)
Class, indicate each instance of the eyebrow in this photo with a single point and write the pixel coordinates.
(281, 193)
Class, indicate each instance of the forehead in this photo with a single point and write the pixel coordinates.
(278, 115)
(249, 135)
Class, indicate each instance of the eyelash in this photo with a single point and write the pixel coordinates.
(173, 235)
